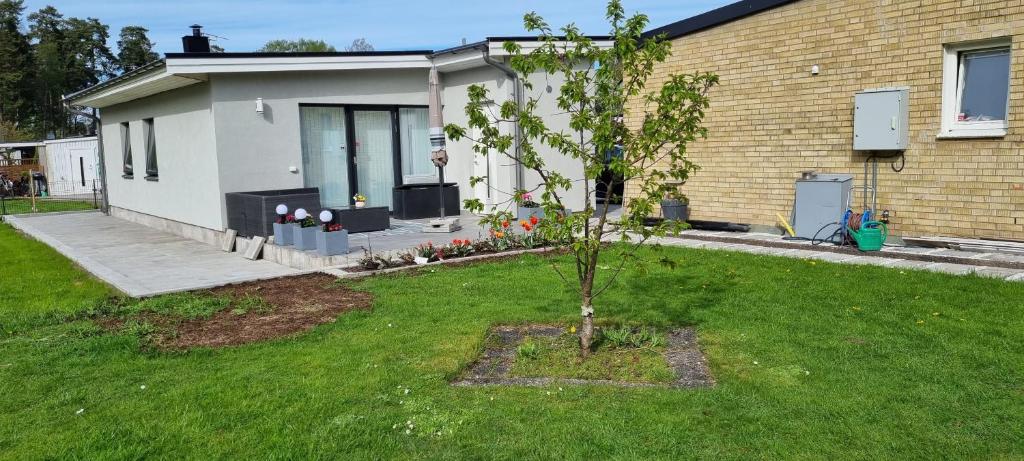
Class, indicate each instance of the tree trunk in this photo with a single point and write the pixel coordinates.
(586, 331)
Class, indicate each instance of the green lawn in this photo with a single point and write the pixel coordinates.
(45, 205)
(812, 360)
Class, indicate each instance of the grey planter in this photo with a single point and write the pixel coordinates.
(526, 212)
(283, 234)
(304, 238)
(675, 210)
(332, 243)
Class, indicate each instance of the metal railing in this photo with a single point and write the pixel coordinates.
(32, 192)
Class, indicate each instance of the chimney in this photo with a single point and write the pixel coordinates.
(197, 42)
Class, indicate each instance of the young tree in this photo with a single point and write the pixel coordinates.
(604, 87)
(16, 67)
(296, 46)
(134, 49)
(359, 44)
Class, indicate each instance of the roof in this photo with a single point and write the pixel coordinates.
(300, 54)
(717, 17)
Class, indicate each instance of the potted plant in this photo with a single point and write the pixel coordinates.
(331, 239)
(360, 200)
(529, 208)
(283, 226)
(675, 206)
(304, 231)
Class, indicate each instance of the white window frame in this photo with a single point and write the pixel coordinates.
(952, 87)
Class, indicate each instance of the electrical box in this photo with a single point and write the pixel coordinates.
(881, 119)
(820, 203)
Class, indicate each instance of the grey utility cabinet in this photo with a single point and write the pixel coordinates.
(821, 201)
(881, 119)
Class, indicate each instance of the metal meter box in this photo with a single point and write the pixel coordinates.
(820, 201)
(881, 119)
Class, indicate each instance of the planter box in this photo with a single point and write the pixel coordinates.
(526, 212)
(367, 219)
(675, 210)
(415, 201)
(283, 234)
(331, 243)
(252, 213)
(304, 238)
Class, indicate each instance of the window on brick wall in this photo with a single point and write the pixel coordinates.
(976, 89)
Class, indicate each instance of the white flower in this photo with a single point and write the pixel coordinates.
(143, 387)
(407, 391)
(80, 411)
(408, 431)
(755, 362)
(389, 325)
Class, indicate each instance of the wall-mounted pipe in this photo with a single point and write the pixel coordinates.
(517, 96)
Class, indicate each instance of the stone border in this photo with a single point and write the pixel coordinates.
(491, 369)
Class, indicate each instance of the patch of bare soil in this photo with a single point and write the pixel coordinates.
(492, 368)
(292, 305)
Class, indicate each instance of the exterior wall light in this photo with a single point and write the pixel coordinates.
(259, 105)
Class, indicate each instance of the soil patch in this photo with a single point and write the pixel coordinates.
(500, 349)
(283, 307)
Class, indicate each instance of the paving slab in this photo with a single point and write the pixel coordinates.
(139, 260)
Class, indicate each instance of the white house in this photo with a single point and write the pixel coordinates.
(181, 132)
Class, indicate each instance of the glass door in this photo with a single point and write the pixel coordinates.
(374, 155)
(324, 153)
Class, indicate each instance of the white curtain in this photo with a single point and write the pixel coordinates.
(324, 162)
(375, 163)
(416, 164)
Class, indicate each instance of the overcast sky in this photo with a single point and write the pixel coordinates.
(246, 25)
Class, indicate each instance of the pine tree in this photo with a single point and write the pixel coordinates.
(15, 65)
(134, 48)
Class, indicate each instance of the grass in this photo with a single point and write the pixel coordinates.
(44, 205)
(39, 285)
(559, 357)
(812, 360)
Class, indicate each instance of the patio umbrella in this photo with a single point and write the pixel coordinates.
(438, 154)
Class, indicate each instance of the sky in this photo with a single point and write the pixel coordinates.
(245, 25)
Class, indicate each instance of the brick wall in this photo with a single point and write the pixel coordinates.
(770, 118)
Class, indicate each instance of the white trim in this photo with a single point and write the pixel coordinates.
(305, 63)
(952, 85)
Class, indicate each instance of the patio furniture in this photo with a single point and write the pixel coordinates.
(252, 213)
(416, 201)
(366, 219)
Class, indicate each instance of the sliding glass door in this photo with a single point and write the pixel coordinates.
(325, 153)
(375, 155)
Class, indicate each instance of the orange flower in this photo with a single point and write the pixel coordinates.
(522, 222)
(527, 227)
(499, 234)
(534, 220)
(505, 224)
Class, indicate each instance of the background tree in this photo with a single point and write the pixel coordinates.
(134, 49)
(295, 46)
(16, 66)
(359, 44)
(602, 88)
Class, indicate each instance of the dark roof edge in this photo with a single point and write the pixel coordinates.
(304, 54)
(534, 38)
(716, 17)
(113, 81)
(456, 49)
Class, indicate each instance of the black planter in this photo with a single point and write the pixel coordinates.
(415, 201)
(252, 214)
(675, 210)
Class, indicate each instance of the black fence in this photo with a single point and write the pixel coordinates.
(34, 193)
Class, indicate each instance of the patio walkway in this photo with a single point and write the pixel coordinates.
(140, 260)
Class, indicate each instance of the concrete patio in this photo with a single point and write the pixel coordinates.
(139, 260)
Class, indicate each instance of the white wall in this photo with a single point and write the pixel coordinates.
(188, 187)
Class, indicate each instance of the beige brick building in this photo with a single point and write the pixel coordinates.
(773, 117)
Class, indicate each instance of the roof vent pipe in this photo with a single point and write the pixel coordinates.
(197, 42)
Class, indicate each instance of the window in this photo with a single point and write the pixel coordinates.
(415, 140)
(126, 151)
(976, 90)
(149, 136)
